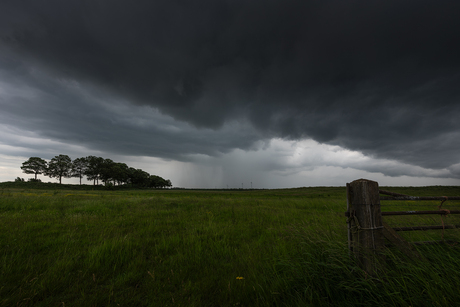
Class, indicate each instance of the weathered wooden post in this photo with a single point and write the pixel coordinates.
(365, 224)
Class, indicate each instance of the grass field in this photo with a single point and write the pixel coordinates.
(64, 246)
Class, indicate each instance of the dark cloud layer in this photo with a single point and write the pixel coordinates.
(381, 77)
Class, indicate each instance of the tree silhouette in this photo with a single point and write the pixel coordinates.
(79, 168)
(158, 183)
(94, 168)
(93, 172)
(60, 166)
(34, 165)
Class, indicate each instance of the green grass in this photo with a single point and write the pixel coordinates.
(92, 247)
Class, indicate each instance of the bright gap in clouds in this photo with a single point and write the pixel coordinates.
(279, 164)
(285, 164)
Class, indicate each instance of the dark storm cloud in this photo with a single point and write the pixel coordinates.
(73, 113)
(380, 77)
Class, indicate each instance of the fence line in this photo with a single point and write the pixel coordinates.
(367, 231)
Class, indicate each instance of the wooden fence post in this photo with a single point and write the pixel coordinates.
(366, 229)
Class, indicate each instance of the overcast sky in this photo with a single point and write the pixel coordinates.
(217, 93)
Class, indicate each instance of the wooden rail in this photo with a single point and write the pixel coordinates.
(397, 196)
(412, 228)
(440, 212)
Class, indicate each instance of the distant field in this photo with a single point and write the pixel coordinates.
(72, 246)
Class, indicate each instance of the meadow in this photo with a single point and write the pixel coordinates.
(82, 246)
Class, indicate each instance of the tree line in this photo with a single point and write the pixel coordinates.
(95, 169)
